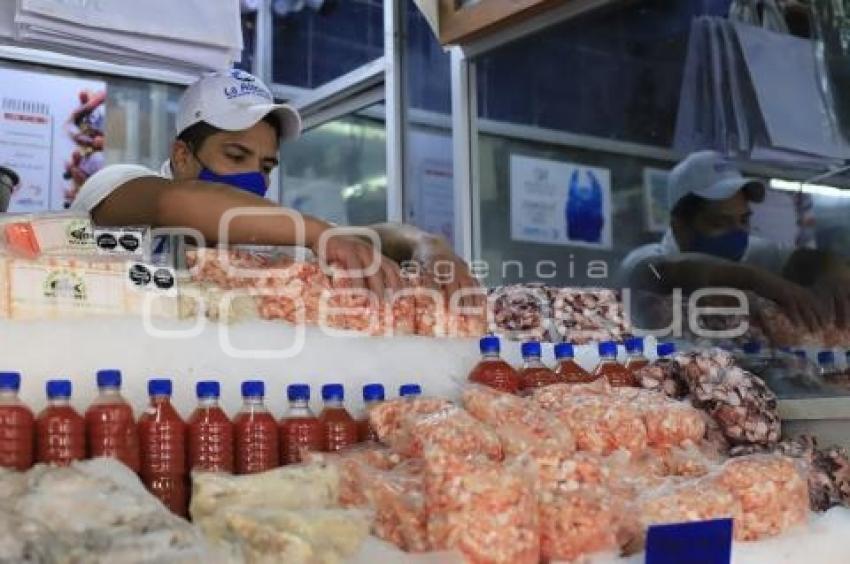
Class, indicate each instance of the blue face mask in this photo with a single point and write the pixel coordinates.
(730, 245)
(253, 182)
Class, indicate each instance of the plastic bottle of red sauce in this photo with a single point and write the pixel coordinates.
(210, 432)
(340, 428)
(492, 371)
(567, 369)
(635, 360)
(162, 434)
(534, 374)
(409, 391)
(255, 431)
(60, 430)
(373, 394)
(16, 425)
(664, 351)
(110, 427)
(300, 430)
(616, 374)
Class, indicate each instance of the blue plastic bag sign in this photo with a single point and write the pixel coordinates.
(560, 203)
(701, 542)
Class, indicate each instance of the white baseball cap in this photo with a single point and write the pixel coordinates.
(234, 100)
(712, 176)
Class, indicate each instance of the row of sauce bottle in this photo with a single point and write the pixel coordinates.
(493, 371)
(161, 447)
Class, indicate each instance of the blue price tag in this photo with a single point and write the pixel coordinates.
(701, 542)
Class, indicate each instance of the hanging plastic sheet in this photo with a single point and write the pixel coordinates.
(190, 36)
(750, 91)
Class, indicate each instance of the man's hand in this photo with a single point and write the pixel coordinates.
(450, 273)
(354, 254)
(835, 294)
(799, 304)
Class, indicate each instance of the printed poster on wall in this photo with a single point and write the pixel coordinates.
(558, 203)
(51, 134)
(431, 180)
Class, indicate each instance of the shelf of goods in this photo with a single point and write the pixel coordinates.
(463, 472)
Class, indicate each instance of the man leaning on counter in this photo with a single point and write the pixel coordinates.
(709, 245)
(229, 130)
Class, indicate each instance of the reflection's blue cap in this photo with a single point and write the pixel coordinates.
(406, 390)
(159, 387)
(10, 381)
(208, 389)
(253, 389)
(531, 348)
(801, 354)
(826, 357)
(58, 389)
(296, 392)
(564, 350)
(634, 345)
(373, 392)
(665, 349)
(333, 392)
(109, 378)
(608, 348)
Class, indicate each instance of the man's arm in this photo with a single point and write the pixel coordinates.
(829, 276)
(159, 202)
(690, 273)
(406, 242)
(201, 205)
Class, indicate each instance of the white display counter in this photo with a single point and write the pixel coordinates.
(77, 348)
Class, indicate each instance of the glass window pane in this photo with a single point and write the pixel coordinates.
(249, 37)
(338, 170)
(612, 73)
(139, 129)
(314, 46)
(429, 183)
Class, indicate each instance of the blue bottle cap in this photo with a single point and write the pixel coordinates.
(489, 344)
(10, 381)
(159, 387)
(608, 348)
(531, 348)
(58, 389)
(634, 345)
(298, 392)
(333, 392)
(253, 389)
(208, 389)
(826, 357)
(406, 390)
(564, 350)
(751, 347)
(109, 378)
(373, 392)
(665, 349)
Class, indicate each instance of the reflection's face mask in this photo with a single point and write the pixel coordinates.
(253, 182)
(730, 245)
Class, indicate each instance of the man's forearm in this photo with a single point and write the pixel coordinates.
(690, 275)
(203, 206)
(402, 242)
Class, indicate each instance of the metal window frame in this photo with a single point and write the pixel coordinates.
(378, 81)
(395, 102)
(464, 148)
